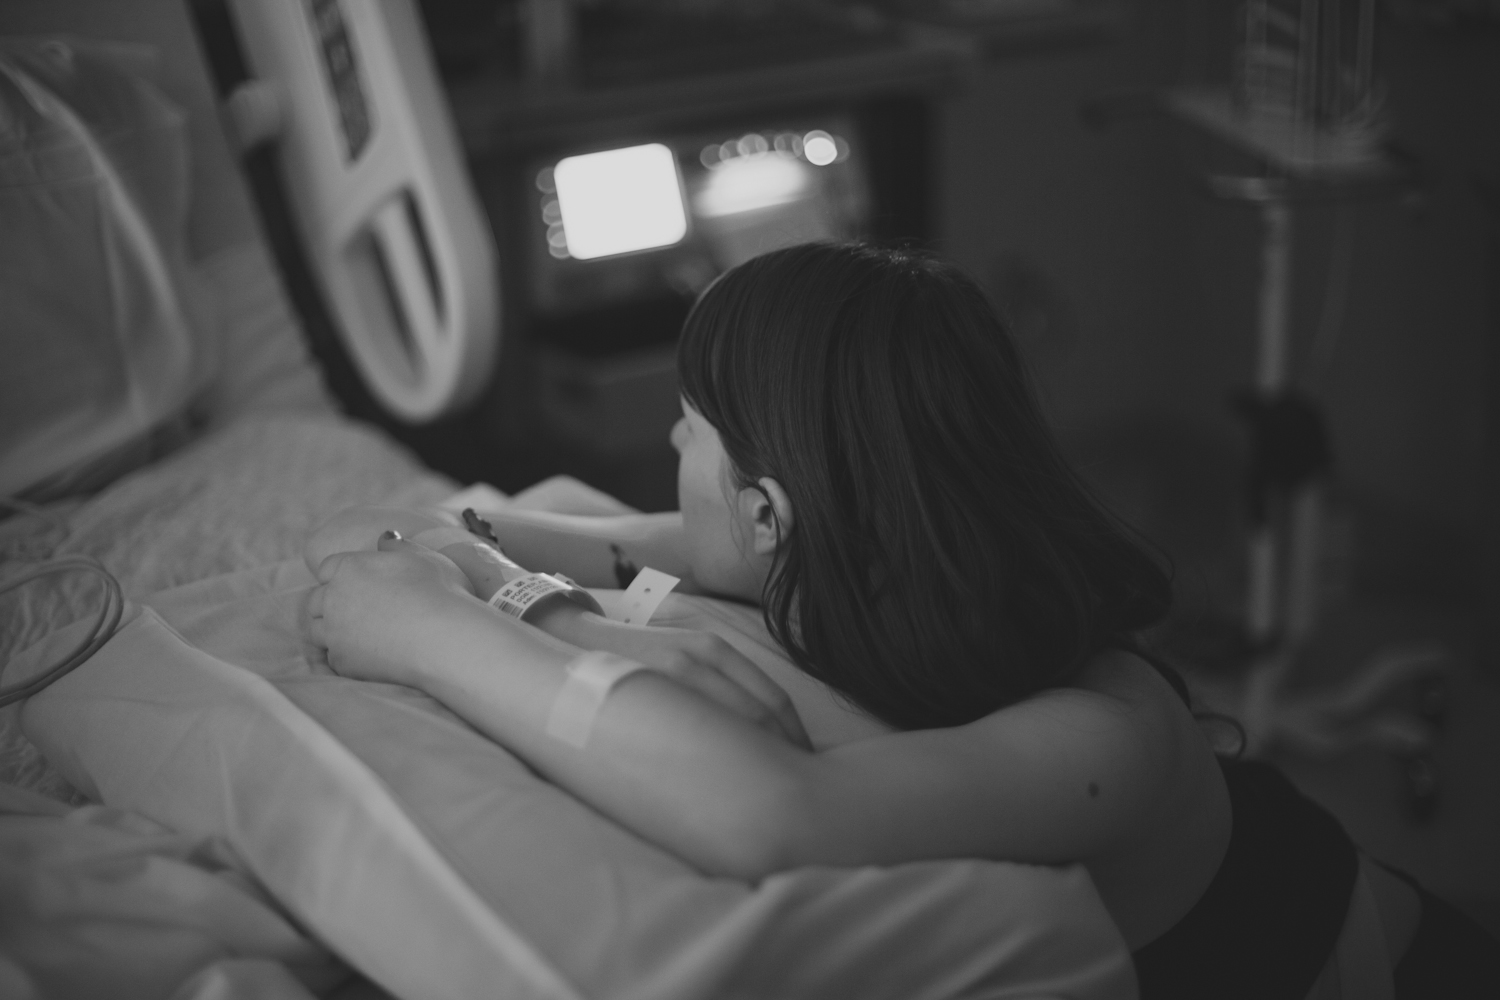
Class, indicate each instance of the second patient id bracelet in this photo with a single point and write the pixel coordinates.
(499, 580)
(520, 595)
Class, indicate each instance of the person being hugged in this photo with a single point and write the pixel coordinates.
(862, 456)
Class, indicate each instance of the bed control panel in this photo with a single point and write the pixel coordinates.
(341, 64)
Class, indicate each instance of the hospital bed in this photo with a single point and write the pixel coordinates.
(202, 808)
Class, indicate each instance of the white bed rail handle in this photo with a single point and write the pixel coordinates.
(397, 239)
(400, 293)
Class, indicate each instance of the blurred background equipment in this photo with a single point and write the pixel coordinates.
(663, 218)
(623, 154)
(387, 217)
(1301, 125)
(1304, 94)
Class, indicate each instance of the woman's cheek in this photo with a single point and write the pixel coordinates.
(692, 530)
(717, 562)
(701, 530)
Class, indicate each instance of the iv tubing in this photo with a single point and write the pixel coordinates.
(104, 625)
(103, 628)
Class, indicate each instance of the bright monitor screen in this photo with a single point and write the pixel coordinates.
(620, 200)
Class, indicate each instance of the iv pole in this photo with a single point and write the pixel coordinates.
(1304, 105)
(1291, 462)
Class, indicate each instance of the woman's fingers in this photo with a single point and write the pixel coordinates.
(720, 689)
(716, 685)
(329, 567)
(724, 658)
(791, 724)
(750, 677)
(317, 631)
(355, 529)
(391, 541)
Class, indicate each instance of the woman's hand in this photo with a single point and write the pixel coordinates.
(380, 614)
(356, 529)
(716, 670)
(700, 661)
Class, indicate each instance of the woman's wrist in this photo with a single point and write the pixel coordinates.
(491, 667)
(587, 630)
(573, 624)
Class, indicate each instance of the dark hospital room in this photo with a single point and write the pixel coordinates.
(749, 499)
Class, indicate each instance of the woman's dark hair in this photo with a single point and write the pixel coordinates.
(944, 560)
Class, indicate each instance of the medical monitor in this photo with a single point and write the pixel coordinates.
(616, 201)
(621, 223)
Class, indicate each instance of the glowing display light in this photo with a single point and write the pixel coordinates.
(620, 200)
(750, 182)
(819, 148)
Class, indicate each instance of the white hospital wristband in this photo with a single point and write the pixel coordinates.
(588, 683)
(520, 595)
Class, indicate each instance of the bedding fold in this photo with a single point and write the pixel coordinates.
(440, 866)
(97, 901)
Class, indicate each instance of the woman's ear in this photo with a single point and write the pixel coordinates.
(770, 514)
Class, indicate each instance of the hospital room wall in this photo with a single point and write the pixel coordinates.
(1135, 295)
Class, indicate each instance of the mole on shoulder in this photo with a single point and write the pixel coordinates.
(1093, 790)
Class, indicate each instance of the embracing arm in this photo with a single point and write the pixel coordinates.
(734, 800)
(402, 618)
(1062, 777)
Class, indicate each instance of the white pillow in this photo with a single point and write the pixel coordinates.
(265, 364)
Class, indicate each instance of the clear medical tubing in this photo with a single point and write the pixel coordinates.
(104, 625)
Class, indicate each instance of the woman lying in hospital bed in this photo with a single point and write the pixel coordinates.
(861, 456)
(244, 803)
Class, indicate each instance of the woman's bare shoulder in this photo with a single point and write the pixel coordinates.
(1075, 773)
(1124, 684)
(1151, 879)
(1114, 689)
(1121, 719)
(1125, 675)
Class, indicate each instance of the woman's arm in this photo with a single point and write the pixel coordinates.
(595, 551)
(359, 528)
(656, 747)
(704, 662)
(592, 551)
(1067, 776)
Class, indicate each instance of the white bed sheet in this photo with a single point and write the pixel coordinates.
(96, 902)
(273, 460)
(440, 866)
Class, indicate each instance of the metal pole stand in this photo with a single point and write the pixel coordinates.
(1291, 462)
(1291, 454)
